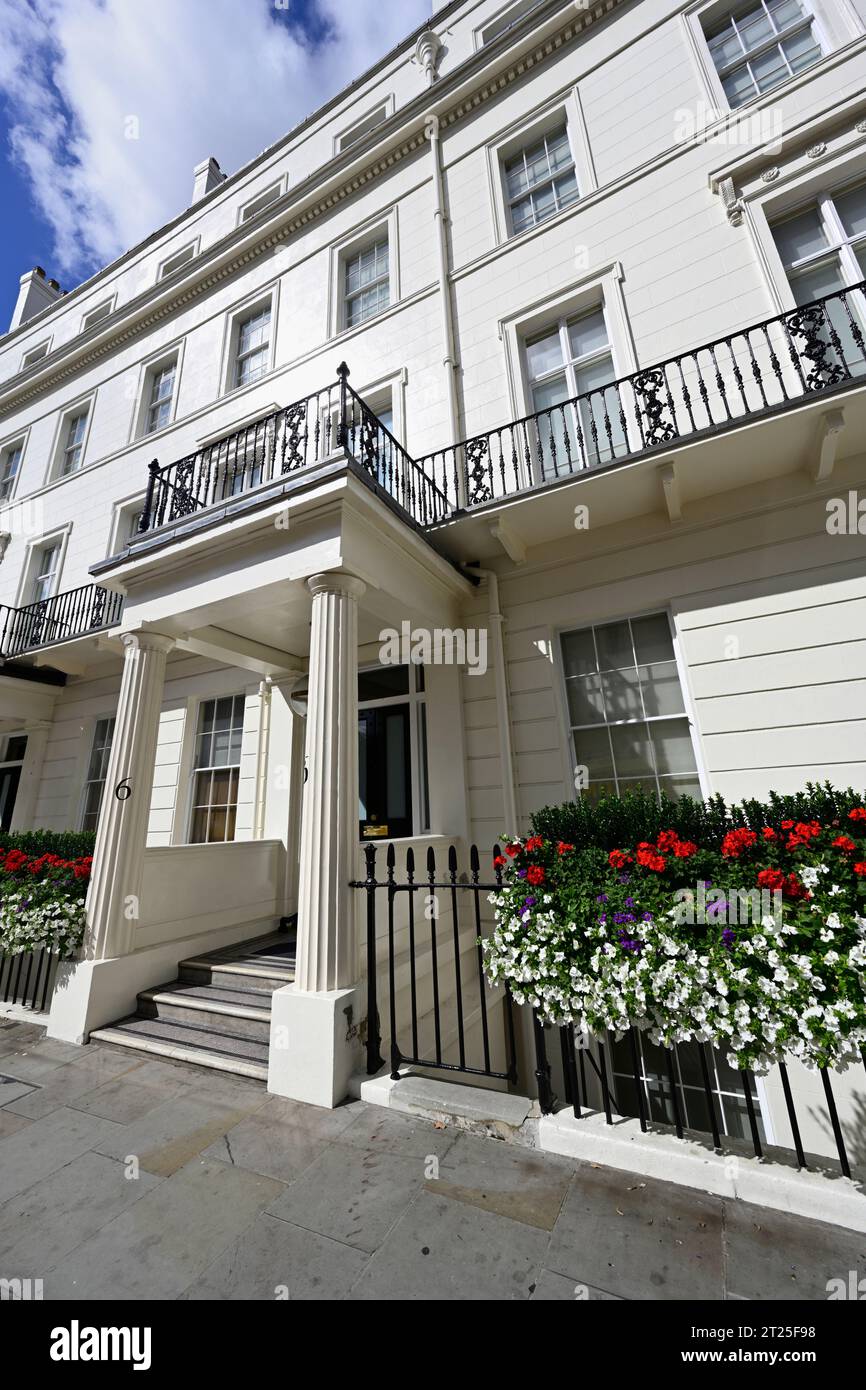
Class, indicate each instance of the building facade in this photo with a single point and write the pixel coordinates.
(482, 443)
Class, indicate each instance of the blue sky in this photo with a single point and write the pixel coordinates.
(107, 105)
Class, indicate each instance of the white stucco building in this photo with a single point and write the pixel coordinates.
(513, 210)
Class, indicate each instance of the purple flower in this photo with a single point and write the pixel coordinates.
(521, 873)
(603, 918)
(630, 943)
(629, 902)
(602, 898)
(624, 878)
(529, 902)
(647, 917)
(728, 938)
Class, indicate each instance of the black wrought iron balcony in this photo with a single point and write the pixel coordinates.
(76, 613)
(769, 367)
(284, 442)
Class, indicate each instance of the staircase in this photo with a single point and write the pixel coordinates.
(217, 1013)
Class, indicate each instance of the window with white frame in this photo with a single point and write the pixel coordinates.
(823, 250)
(356, 132)
(253, 346)
(216, 772)
(45, 572)
(760, 45)
(570, 367)
(726, 1087)
(366, 281)
(97, 315)
(73, 430)
(10, 462)
(540, 180)
(159, 395)
(270, 195)
(626, 709)
(34, 355)
(177, 260)
(510, 16)
(97, 771)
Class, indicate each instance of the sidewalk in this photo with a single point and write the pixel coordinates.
(134, 1179)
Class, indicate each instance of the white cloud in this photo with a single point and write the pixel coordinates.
(197, 77)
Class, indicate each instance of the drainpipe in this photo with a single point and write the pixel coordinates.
(503, 711)
(262, 761)
(449, 347)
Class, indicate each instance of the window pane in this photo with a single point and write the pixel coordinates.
(662, 692)
(592, 750)
(383, 682)
(585, 703)
(632, 751)
(673, 746)
(754, 28)
(851, 207)
(652, 638)
(615, 651)
(800, 236)
(801, 50)
(544, 354)
(578, 653)
(587, 334)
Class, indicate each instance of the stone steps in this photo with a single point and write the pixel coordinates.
(217, 1013)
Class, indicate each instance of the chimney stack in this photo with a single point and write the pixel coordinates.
(206, 176)
(35, 294)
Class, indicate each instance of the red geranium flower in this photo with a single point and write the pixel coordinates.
(668, 840)
(511, 850)
(736, 842)
(535, 842)
(860, 869)
(535, 875)
(563, 848)
(787, 825)
(858, 813)
(684, 849)
(773, 879)
(499, 862)
(845, 843)
(650, 859)
(617, 859)
(768, 833)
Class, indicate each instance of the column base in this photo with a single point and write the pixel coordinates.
(314, 1044)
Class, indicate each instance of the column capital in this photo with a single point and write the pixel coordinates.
(336, 583)
(146, 641)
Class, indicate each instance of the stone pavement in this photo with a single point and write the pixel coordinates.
(135, 1179)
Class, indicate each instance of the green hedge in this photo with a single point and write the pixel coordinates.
(66, 844)
(614, 821)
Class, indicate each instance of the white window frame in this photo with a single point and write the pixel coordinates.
(83, 406)
(194, 769)
(98, 314)
(565, 111)
(833, 28)
(374, 394)
(261, 200)
(601, 290)
(580, 623)
(30, 567)
(415, 698)
(7, 446)
(236, 316)
(347, 138)
(42, 349)
(181, 257)
(148, 371)
(89, 781)
(839, 243)
(520, 8)
(122, 514)
(383, 227)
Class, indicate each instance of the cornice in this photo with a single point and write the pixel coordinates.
(303, 204)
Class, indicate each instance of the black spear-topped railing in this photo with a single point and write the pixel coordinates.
(762, 369)
(75, 613)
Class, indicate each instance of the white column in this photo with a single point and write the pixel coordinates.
(118, 858)
(327, 947)
(314, 1022)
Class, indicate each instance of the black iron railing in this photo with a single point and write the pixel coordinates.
(631, 1086)
(444, 973)
(58, 619)
(818, 347)
(28, 978)
(284, 442)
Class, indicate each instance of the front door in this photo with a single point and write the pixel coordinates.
(384, 773)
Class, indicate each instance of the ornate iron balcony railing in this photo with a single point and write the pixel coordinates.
(284, 442)
(759, 370)
(75, 613)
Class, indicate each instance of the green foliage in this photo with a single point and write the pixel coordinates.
(627, 820)
(66, 844)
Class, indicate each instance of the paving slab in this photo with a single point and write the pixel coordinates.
(265, 1144)
(387, 1131)
(69, 1080)
(556, 1288)
(352, 1195)
(12, 1089)
(172, 1133)
(514, 1182)
(276, 1260)
(446, 1251)
(48, 1144)
(168, 1239)
(771, 1254)
(10, 1124)
(639, 1238)
(126, 1099)
(41, 1225)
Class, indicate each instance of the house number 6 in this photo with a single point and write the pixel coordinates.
(123, 791)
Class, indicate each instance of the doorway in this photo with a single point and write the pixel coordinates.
(384, 772)
(12, 751)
